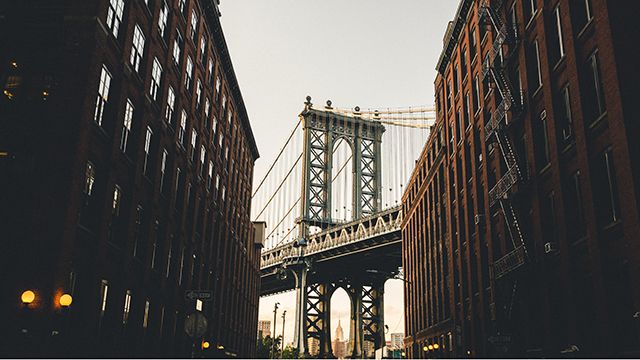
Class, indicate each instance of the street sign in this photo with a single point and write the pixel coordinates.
(500, 339)
(205, 295)
(195, 325)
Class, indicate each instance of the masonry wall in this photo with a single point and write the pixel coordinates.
(576, 202)
(124, 216)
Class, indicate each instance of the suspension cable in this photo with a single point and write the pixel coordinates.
(277, 158)
(279, 186)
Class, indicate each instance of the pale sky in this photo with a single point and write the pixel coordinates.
(370, 53)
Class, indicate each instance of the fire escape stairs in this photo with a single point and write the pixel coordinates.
(501, 192)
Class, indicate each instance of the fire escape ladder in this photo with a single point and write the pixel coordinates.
(507, 153)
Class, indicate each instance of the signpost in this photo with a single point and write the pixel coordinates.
(205, 295)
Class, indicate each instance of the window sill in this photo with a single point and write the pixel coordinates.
(560, 63)
(598, 121)
(545, 169)
(585, 28)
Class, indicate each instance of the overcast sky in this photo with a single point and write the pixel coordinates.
(371, 53)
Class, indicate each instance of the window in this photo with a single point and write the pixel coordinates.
(556, 49)
(224, 103)
(145, 319)
(126, 125)
(210, 174)
(575, 216)
(564, 114)
(581, 13)
(463, 63)
(171, 101)
(455, 80)
(138, 225)
(533, 63)
(218, 85)
(529, 9)
(90, 178)
(147, 149)
(203, 50)
(229, 117)
(117, 199)
(156, 241)
(449, 94)
(210, 72)
(177, 183)
(182, 4)
(162, 19)
(203, 155)
(549, 218)
(183, 128)
(207, 111)
(156, 77)
(168, 268)
(476, 94)
(474, 44)
(223, 192)
(467, 111)
(127, 307)
(194, 138)
(607, 190)
(103, 95)
(178, 43)
(198, 305)
(137, 48)
(594, 99)
(459, 125)
(114, 16)
(198, 93)
(194, 25)
(163, 167)
(189, 73)
(104, 289)
(542, 142)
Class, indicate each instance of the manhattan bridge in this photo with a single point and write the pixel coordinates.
(331, 201)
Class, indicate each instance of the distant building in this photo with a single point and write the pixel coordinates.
(314, 346)
(339, 344)
(264, 328)
(397, 341)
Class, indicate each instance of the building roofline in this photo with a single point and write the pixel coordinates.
(453, 34)
(210, 7)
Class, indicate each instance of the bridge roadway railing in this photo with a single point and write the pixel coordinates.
(366, 227)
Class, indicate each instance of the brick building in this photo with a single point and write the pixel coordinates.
(127, 162)
(522, 214)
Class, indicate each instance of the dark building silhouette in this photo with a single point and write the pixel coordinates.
(126, 165)
(522, 214)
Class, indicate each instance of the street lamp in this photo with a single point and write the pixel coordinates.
(28, 297)
(284, 312)
(430, 347)
(273, 338)
(65, 300)
(436, 346)
(205, 344)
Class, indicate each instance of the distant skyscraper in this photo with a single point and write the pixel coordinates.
(264, 328)
(339, 345)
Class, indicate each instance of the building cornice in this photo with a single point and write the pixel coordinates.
(212, 17)
(453, 34)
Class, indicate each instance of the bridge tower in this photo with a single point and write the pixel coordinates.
(322, 128)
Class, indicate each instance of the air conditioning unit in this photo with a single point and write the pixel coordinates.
(550, 248)
(478, 219)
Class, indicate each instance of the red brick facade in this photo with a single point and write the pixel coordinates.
(564, 174)
(109, 195)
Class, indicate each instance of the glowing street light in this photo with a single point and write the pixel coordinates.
(65, 300)
(205, 344)
(27, 297)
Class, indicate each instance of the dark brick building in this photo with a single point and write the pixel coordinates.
(126, 165)
(523, 212)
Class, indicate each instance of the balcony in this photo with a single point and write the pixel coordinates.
(506, 182)
(509, 262)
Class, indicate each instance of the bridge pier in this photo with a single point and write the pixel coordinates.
(355, 334)
(300, 329)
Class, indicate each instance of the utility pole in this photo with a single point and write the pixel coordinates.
(273, 337)
(284, 312)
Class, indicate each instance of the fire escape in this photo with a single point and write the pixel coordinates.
(503, 191)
